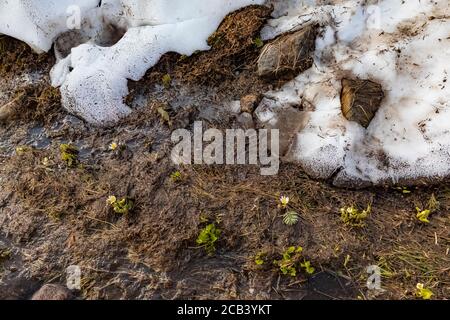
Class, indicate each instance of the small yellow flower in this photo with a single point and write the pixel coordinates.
(423, 292)
(113, 146)
(111, 200)
(45, 162)
(284, 201)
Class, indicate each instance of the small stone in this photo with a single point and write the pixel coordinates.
(7, 111)
(245, 120)
(52, 292)
(289, 55)
(360, 100)
(249, 103)
(288, 119)
(234, 107)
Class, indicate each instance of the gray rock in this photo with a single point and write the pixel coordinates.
(245, 121)
(287, 119)
(52, 292)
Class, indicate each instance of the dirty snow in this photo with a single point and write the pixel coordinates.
(403, 45)
(93, 78)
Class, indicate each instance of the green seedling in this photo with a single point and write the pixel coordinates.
(208, 237)
(258, 42)
(167, 81)
(290, 218)
(290, 263)
(354, 217)
(69, 154)
(123, 206)
(176, 176)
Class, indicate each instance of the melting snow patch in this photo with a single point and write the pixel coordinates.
(402, 45)
(93, 78)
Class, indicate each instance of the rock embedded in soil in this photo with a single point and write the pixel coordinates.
(249, 103)
(288, 119)
(52, 292)
(7, 111)
(245, 121)
(360, 100)
(289, 55)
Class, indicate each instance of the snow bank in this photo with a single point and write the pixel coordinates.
(404, 46)
(38, 23)
(93, 78)
(97, 85)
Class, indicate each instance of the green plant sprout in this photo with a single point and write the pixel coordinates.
(307, 266)
(403, 190)
(122, 206)
(432, 206)
(290, 262)
(167, 81)
(258, 42)
(290, 218)
(422, 292)
(69, 154)
(260, 258)
(176, 176)
(208, 237)
(353, 217)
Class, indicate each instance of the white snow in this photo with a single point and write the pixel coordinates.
(38, 23)
(404, 46)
